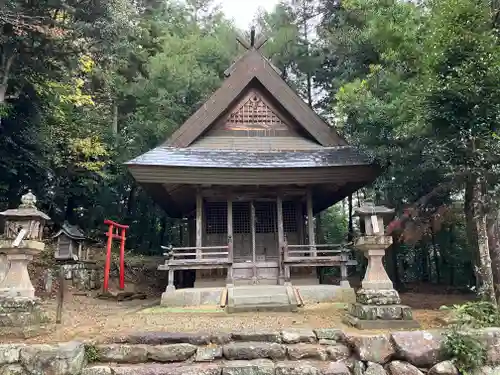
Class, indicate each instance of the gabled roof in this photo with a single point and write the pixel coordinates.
(72, 231)
(338, 156)
(253, 66)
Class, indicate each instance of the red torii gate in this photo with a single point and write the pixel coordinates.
(121, 237)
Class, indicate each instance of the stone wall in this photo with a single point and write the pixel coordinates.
(142, 272)
(289, 352)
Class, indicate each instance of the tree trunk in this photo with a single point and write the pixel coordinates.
(350, 233)
(493, 230)
(69, 215)
(436, 257)
(424, 263)
(392, 262)
(487, 289)
(114, 128)
(131, 200)
(471, 229)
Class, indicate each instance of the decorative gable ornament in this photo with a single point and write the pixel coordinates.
(254, 114)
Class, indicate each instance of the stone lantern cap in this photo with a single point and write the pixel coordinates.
(27, 209)
(369, 209)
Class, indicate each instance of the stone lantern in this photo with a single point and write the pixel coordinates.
(378, 305)
(20, 242)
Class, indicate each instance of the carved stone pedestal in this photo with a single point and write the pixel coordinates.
(378, 305)
(19, 308)
(17, 282)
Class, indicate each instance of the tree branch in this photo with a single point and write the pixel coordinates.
(400, 222)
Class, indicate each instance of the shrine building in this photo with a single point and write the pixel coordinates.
(249, 170)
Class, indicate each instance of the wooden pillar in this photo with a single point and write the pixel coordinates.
(230, 241)
(199, 223)
(281, 239)
(310, 223)
(300, 223)
(252, 229)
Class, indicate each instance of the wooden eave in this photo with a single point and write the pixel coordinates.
(254, 66)
(180, 200)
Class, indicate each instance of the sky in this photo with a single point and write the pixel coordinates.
(243, 11)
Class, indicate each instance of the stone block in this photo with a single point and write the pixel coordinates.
(372, 348)
(307, 351)
(379, 324)
(21, 312)
(420, 348)
(337, 352)
(386, 312)
(374, 369)
(444, 368)
(208, 354)
(403, 368)
(61, 359)
(334, 334)
(253, 350)
(171, 353)
(168, 369)
(97, 370)
(378, 297)
(122, 353)
(257, 335)
(9, 353)
(254, 367)
(13, 370)
(335, 368)
(297, 335)
(298, 368)
(162, 338)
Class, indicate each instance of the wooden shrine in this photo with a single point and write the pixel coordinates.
(70, 242)
(249, 170)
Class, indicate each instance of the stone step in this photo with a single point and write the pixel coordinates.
(237, 350)
(277, 298)
(252, 367)
(242, 308)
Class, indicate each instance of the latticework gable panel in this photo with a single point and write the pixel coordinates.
(254, 114)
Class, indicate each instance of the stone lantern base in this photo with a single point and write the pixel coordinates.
(20, 310)
(22, 318)
(371, 316)
(378, 305)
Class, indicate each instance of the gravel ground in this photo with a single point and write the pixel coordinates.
(86, 318)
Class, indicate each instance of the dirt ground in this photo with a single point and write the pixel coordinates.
(86, 318)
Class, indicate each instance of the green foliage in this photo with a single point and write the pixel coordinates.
(466, 349)
(334, 225)
(91, 353)
(477, 314)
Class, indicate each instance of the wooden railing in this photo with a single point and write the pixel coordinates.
(338, 255)
(316, 253)
(206, 257)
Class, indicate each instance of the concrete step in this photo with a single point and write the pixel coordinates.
(261, 298)
(241, 308)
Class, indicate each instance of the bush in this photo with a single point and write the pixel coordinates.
(465, 349)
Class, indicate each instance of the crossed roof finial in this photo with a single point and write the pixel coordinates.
(252, 43)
